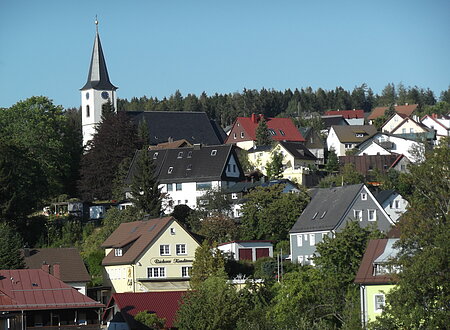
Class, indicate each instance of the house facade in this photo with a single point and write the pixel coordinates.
(247, 250)
(409, 126)
(328, 212)
(345, 138)
(147, 256)
(441, 124)
(392, 202)
(406, 110)
(314, 143)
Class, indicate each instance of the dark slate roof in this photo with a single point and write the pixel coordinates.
(192, 164)
(347, 134)
(383, 195)
(98, 77)
(72, 268)
(195, 127)
(298, 150)
(329, 205)
(329, 121)
(34, 289)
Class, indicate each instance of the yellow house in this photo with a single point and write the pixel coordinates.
(150, 255)
(296, 159)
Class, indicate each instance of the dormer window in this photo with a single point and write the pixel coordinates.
(189, 155)
(118, 252)
(189, 167)
(155, 155)
(359, 135)
(180, 154)
(282, 132)
(272, 132)
(214, 152)
(169, 171)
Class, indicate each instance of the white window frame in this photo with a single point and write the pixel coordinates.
(156, 272)
(300, 260)
(358, 214)
(171, 187)
(179, 248)
(363, 196)
(118, 252)
(312, 239)
(186, 271)
(378, 305)
(234, 196)
(169, 170)
(300, 240)
(164, 250)
(178, 185)
(374, 218)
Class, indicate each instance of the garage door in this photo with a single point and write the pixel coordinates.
(245, 254)
(262, 252)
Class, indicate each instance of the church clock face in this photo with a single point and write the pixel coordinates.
(105, 95)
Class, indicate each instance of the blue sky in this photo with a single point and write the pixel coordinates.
(154, 48)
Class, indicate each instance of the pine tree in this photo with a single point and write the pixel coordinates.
(332, 164)
(262, 134)
(10, 255)
(146, 193)
(207, 262)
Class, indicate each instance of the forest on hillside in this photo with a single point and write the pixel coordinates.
(224, 108)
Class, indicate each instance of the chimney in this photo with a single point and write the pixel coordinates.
(254, 118)
(45, 267)
(197, 146)
(56, 271)
(26, 252)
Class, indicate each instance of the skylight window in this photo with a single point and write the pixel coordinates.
(180, 154)
(214, 152)
(272, 132)
(323, 214)
(169, 171)
(282, 132)
(189, 155)
(315, 215)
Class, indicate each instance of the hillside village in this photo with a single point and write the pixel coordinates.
(271, 222)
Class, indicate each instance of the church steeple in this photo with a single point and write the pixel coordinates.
(98, 73)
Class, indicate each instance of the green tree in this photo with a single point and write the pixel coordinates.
(218, 228)
(275, 166)
(207, 262)
(10, 255)
(150, 320)
(269, 213)
(422, 294)
(144, 134)
(263, 137)
(145, 186)
(332, 164)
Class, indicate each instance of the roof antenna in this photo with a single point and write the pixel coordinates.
(96, 23)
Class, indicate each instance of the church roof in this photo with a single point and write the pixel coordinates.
(98, 74)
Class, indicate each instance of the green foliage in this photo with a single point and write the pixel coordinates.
(93, 261)
(243, 160)
(144, 134)
(332, 164)
(10, 255)
(270, 214)
(181, 213)
(145, 186)
(215, 202)
(118, 186)
(208, 262)
(218, 228)
(347, 176)
(150, 320)
(275, 166)
(263, 137)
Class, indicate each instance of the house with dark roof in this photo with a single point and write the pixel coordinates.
(334, 120)
(407, 110)
(371, 165)
(376, 277)
(243, 132)
(185, 174)
(393, 203)
(352, 117)
(123, 307)
(34, 298)
(150, 255)
(314, 143)
(63, 263)
(328, 212)
(344, 138)
(297, 159)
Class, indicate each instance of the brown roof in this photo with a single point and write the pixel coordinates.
(400, 109)
(365, 274)
(72, 268)
(347, 114)
(171, 145)
(347, 134)
(34, 289)
(366, 163)
(133, 238)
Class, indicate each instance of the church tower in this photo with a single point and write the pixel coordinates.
(97, 91)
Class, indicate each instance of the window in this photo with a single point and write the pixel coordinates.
(164, 250)
(189, 155)
(234, 168)
(170, 187)
(411, 130)
(323, 214)
(372, 215)
(153, 272)
(189, 167)
(169, 171)
(300, 260)
(282, 132)
(180, 154)
(363, 196)
(348, 145)
(312, 239)
(357, 214)
(379, 302)
(272, 132)
(299, 240)
(172, 231)
(186, 271)
(179, 186)
(315, 215)
(203, 186)
(311, 260)
(397, 204)
(181, 249)
(403, 167)
(324, 235)
(242, 135)
(155, 155)
(213, 152)
(118, 252)
(234, 196)
(88, 111)
(403, 130)
(234, 136)
(359, 135)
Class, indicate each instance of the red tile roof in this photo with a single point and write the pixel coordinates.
(34, 289)
(400, 109)
(283, 128)
(347, 114)
(164, 304)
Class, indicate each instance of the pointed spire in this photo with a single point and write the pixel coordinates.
(98, 74)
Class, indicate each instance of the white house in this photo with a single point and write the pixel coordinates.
(441, 124)
(343, 138)
(393, 203)
(247, 250)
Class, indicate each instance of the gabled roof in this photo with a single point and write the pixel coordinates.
(347, 114)
(34, 289)
(163, 304)
(133, 238)
(408, 119)
(171, 145)
(329, 121)
(327, 208)
(435, 119)
(282, 128)
(164, 126)
(297, 150)
(192, 164)
(401, 109)
(348, 134)
(98, 74)
(364, 164)
(72, 268)
(376, 248)
(383, 195)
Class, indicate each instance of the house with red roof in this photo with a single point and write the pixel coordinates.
(347, 114)
(123, 307)
(243, 131)
(407, 110)
(34, 298)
